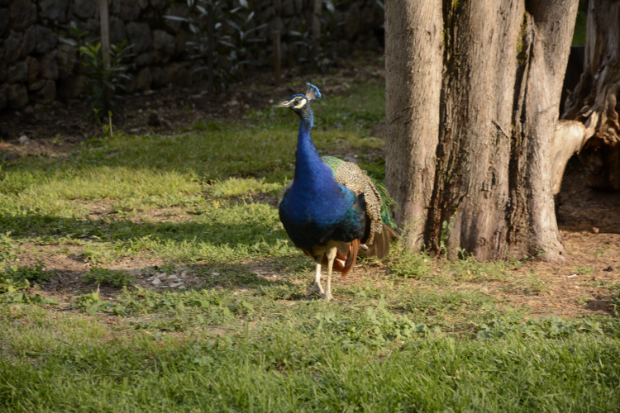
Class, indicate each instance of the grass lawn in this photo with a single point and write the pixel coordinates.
(151, 273)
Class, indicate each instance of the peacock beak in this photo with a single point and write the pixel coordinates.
(284, 104)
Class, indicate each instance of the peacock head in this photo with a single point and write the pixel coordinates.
(300, 104)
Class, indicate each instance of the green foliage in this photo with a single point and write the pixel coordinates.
(467, 268)
(320, 47)
(551, 327)
(97, 255)
(375, 169)
(35, 273)
(76, 38)
(8, 285)
(410, 264)
(104, 81)
(146, 301)
(374, 330)
(15, 279)
(579, 35)
(582, 270)
(535, 285)
(113, 278)
(446, 229)
(230, 52)
(90, 303)
(8, 248)
(12, 295)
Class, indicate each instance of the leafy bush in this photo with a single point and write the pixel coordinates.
(320, 50)
(114, 278)
(104, 82)
(226, 54)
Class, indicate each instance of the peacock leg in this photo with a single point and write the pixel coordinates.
(317, 288)
(331, 252)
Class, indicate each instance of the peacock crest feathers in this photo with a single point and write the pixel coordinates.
(312, 93)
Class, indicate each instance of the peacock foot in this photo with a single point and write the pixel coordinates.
(327, 296)
(316, 289)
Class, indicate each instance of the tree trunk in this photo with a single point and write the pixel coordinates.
(595, 99)
(473, 92)
(413, 89)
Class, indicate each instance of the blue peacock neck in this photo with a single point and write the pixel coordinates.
(311, 174)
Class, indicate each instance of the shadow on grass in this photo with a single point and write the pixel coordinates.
(231, 256)
(252, 236)
(233, 277)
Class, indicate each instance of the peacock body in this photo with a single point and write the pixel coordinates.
(331, 209)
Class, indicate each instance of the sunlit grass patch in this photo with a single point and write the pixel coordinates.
(243, 186)
(139, 204)
(120, 182)
(408, 264)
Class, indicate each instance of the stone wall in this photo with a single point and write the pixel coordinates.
(36, 67)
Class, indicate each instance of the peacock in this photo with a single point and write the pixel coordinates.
(331, 209)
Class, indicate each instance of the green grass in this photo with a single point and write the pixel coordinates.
(314, 357)
(47, 197)
(400, 340)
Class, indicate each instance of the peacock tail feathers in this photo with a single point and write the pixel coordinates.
(389, 205)
(378, 202)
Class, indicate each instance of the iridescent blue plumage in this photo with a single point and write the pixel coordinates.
(326, 217)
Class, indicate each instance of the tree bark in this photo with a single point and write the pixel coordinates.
(469, 150)
(594, 101)
(413, 89)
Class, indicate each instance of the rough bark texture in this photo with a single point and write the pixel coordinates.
(503, 63)
(413, 88)
(595, 99)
